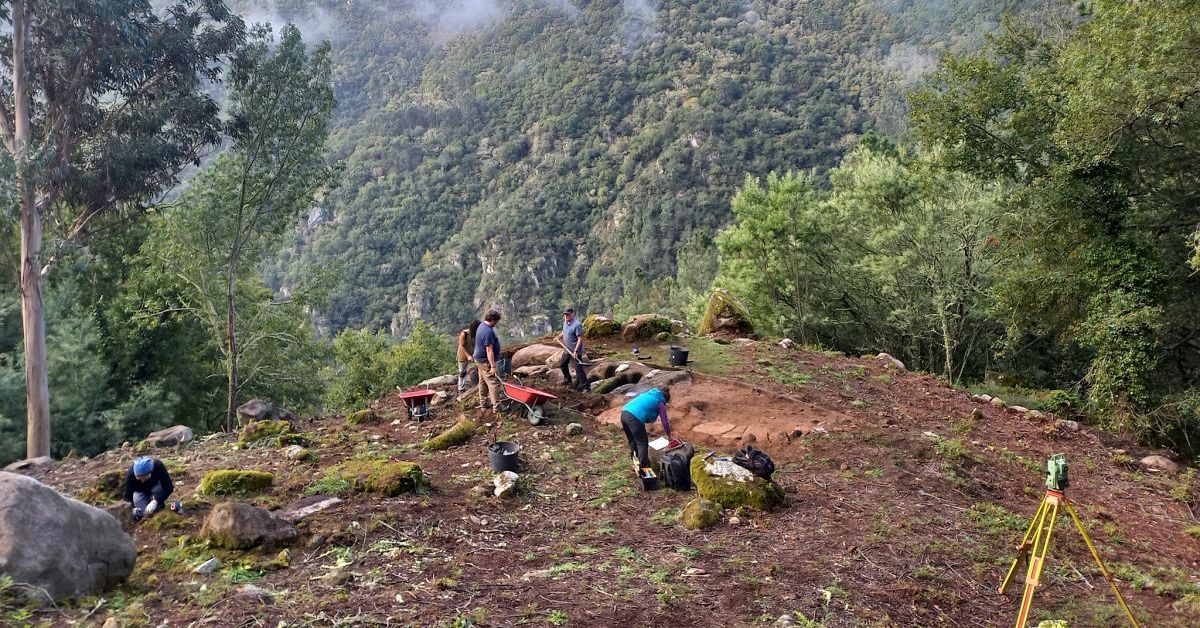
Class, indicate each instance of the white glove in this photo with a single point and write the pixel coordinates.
(151, 507)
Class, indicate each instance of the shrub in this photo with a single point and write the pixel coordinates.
(231, 482)
(370, 364)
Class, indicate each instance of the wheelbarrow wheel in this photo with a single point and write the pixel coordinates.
(534, 414)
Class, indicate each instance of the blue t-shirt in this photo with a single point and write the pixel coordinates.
(484, 337)
(571, 333)
(645, 405)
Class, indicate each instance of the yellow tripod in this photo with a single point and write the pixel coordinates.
(1037, 540)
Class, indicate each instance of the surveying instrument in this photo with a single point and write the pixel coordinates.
(1037, 540)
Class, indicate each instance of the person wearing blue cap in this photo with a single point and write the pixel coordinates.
(147, 486)
(635, 415)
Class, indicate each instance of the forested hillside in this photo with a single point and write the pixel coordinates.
(529, 154)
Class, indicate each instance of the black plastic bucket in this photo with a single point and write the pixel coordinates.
(503, 456)
(679, 356)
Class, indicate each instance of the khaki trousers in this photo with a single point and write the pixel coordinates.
(489, 380)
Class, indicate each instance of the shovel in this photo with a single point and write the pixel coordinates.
(573, 356)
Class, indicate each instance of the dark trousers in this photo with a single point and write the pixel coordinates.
(635, 433)
(157, 493)
(580, 374)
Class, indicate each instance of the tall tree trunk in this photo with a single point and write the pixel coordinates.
(33, 317)
(231, 358)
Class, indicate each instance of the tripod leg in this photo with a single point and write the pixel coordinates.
(1023, 549)
(1103, 570)
(1041, 546)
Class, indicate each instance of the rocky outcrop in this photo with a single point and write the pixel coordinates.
(596, 326)
(235, 525)
(1161, 463)
(58, 547)
(645, 326)
(259, 410)
(725, 313)
(170, 437)
(533, 354)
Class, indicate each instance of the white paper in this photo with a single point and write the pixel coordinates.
(659, 443)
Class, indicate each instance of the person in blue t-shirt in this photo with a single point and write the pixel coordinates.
(642, 409)
(572, 339)
(487, 354)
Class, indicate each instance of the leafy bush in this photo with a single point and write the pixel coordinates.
(370, 364)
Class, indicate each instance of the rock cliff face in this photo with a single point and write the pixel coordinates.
(58, 547)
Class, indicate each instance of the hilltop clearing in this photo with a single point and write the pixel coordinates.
(904, 509)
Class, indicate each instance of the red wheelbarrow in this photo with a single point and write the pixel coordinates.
(417, 402)
(533, 399)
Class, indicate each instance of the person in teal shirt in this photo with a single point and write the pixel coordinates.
(641, 410)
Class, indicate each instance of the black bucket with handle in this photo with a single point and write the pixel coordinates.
(679, 356)
(503, 456)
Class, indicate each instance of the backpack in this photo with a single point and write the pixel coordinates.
(758, 462)
(675, 467)
(675, 471)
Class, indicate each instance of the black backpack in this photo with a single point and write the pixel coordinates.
(675, 467)
(758, 462)
(675, 470)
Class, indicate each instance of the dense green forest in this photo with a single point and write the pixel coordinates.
(973, 194)
(585, 153)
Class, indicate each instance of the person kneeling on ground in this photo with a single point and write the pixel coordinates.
(642, 409)
(147, 487)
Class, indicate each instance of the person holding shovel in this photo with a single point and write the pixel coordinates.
(466, 346)
(572, 342)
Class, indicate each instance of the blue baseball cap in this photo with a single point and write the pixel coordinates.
(143, 465)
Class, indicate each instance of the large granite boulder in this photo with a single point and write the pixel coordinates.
(58, 547)
(725, 313)
(259, 410)
(645, 326)
(170, 437)
(31, 464)
(236, 525)
(533, 354)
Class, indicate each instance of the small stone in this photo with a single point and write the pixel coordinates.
(316, 542)
(694, 571)
(733, 521)
(787, 343)
(1161, 463)
(207, 566)
(479, 491)
(845, 467)
(784, 621)
(255, 592)
(337, 577)
(111, 622)
(1072, 426)
(1019, 409)
(506, 484)
(296, 452)
(574, 429)
(546, 457)
(820, 429)
(977, 415)
(998, 403)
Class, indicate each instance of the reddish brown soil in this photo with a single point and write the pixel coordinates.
(885, 525)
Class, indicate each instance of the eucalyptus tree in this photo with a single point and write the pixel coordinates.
(102, 104)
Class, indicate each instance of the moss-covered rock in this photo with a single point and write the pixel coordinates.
(700, 513)
(596, 326)
(260, 430)
(726, 313)
(645, 326)
(232, 482)
(605, 386)
(754, 493)
(459, 433)
(362, 416)
(109, 487)
(385, 477)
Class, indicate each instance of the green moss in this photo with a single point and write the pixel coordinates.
(605, 386)
(165, 520)
(459, 433)
(362, 416)
(700, 513)
(107, 489)
(757, 493)
(725, 312)
(596, 326)
(380, 476)
(259, 430)
(231, 482)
